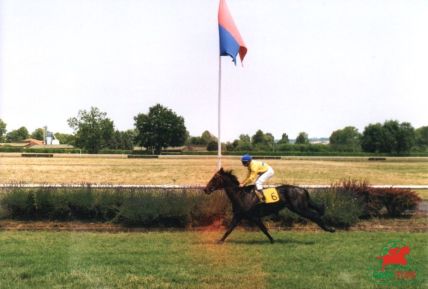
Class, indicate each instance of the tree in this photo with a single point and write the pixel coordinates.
(122, 140)
(284, 139)
(405, 138)
(262, 140)
(212, 146)
(347, 138)
(92, 129)
(160, 128)
(372, 138)
(421, 136)
(2, 130)
(38, 134)
(17, 135)
(64, 138)
(195, 140)
(391, 137)
(302, 138)
(241, 144)
(258, 138)
(207, 137)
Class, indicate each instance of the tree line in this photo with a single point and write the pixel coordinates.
(161, 127)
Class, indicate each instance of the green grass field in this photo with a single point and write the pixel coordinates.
(193, 260)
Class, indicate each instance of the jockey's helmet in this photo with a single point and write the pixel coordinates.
(246, 159)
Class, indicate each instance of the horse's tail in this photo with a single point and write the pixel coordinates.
(320, 208)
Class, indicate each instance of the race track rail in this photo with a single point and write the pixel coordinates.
(171, 186)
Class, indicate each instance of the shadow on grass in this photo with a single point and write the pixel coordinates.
(256, 242)
(277, 241)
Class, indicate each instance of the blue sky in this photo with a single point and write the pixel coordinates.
(313, 66)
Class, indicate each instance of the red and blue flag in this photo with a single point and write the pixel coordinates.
(231, 42)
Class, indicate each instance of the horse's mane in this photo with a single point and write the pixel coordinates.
(232, 177)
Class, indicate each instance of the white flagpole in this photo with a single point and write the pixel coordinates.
(219, 115)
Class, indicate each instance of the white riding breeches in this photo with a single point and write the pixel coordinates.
(263, 178)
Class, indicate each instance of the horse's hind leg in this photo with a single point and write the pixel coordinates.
(262, 227)
(317, 219)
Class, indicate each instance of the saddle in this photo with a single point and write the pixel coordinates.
(271, 195)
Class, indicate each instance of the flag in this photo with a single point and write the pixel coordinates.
(231, 42)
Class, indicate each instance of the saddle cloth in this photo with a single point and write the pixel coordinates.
(271, 195)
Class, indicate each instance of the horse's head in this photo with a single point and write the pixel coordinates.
(215, 183)
(221, 180)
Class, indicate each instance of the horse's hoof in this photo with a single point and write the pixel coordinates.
(220, 242)
(331, 230)
(272, 241)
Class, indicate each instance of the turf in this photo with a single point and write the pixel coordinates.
(196, 171)
(193, 260)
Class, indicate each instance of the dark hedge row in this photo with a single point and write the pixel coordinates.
(345, 205)
(140, 207)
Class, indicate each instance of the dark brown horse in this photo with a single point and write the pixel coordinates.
(245, 204)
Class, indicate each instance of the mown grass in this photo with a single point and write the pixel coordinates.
(193, 260)
(412, 171)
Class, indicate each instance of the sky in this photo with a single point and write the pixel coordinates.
(312, 65)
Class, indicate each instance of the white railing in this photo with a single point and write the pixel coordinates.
(172, 186)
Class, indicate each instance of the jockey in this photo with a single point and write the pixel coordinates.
(258, 172)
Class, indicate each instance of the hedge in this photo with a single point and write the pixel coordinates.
(346, 203)
(129, 206)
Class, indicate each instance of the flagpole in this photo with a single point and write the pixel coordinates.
(219, 115)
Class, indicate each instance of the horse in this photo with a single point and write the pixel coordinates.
(246, 205)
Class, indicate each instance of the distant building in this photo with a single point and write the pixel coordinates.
(50, 139)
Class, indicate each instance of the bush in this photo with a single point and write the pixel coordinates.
(207, 209)
(107, 204)
(342, 209)
(163, 209)
(81, 203)
(398, 202)
(11, 149)
(17, 203)
(376, 201)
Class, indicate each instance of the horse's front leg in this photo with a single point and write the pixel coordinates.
(262, 227)
(235, 221)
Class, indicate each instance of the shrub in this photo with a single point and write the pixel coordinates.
(342, 209)
(60, 208)
(206, 209)
(81, 203)
(361, 190)
(107, 204)
(375, 201)
(164, 209)
(17, 203)
(398, 202)
(43, 203)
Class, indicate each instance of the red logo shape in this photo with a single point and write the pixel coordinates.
(395, 256)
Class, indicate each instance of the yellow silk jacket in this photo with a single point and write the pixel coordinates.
(255, 168)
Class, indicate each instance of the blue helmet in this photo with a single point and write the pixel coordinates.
(246, 159)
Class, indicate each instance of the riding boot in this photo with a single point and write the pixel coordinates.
(260, 195)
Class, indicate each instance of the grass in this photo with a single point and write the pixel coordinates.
(193, 260)
(423, 194)
(411, 171)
